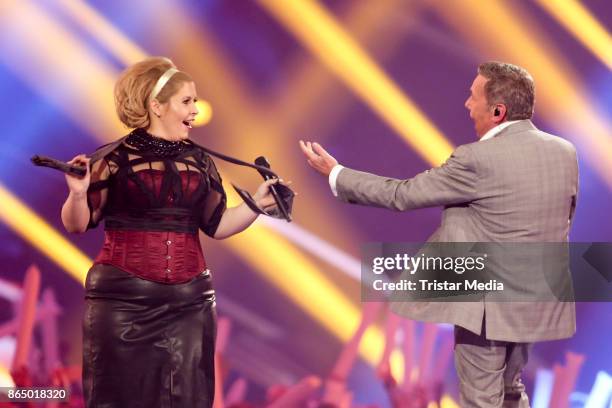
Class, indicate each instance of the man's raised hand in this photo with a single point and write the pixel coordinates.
(318, 158)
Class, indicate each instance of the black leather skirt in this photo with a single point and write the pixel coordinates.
(147, 344)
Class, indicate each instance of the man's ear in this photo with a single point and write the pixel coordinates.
(499, 112)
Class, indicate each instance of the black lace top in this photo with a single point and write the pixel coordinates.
(150, 184)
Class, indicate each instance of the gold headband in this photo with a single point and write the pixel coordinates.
(162, 81)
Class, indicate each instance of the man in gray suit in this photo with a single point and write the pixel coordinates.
(515, 184)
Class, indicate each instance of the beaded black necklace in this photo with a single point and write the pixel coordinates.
(146, 142)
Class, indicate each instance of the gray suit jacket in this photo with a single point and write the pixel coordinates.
(519, 186)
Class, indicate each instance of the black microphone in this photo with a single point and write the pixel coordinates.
(261, 161)
(45, 161)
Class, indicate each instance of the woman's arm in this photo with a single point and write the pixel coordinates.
(237, 219)
(75, 211)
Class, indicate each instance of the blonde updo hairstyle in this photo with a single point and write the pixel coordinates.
(134, 87)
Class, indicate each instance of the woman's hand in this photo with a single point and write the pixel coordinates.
(237, 219)
(79, 185)
(263, 196)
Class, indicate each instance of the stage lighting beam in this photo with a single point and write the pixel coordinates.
(316, 28)
(583, 25)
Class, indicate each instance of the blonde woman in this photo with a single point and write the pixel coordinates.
(149, 324)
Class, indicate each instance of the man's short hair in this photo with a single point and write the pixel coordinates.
(511, 85)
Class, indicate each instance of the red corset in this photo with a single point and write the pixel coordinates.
(166, 257)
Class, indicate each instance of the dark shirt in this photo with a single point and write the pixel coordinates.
(155, 204)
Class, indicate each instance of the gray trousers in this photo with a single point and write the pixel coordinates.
(490, 371)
